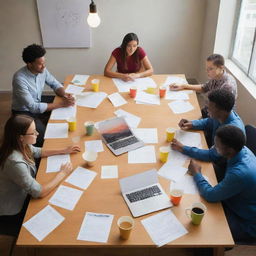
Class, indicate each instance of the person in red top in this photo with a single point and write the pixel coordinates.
(132, 61)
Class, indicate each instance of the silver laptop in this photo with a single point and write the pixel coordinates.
(143, 194)
(118, 136)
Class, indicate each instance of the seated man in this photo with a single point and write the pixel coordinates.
(28, 84)
(220, 106)
(237, 190)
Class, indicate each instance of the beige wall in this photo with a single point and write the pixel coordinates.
(169, 30)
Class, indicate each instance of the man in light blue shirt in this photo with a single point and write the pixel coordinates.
(220, 106)
(237, 191)
(28, 84)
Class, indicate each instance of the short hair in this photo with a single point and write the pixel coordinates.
(217, 60)
(223, 98)
(32, 52)
(231, 136)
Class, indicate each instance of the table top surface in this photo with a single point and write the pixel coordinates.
(104, 196)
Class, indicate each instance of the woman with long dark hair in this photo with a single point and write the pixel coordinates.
(132, 61)
(18, 171)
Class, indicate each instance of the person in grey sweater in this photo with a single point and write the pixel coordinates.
(18, 171)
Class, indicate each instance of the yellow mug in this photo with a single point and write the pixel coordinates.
(170, 133)
(71, 124)
(95, 85)
(163, 153)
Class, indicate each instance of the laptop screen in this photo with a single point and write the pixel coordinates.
(114, 129)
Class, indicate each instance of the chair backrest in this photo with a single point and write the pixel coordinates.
(251, 138)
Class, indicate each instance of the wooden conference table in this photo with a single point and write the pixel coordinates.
(103, 195)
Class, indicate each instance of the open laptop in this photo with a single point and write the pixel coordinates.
(118, 136)
(143, 194)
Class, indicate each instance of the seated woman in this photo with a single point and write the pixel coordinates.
(132, 61)
(18, 171)
(218, 79)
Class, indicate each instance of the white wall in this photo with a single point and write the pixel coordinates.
(170, 31)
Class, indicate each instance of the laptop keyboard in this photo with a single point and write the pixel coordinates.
(123, 143)
(144, 194)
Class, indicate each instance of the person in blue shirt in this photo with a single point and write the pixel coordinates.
(27, 87)
(220, 106)
(237, 191)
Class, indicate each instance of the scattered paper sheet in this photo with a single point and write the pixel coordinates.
(95, 227)
(191, 139)
(147, 135)
(44, 222)
(180, 106)
(73, 89)
(142, 155)
(66, 197)
(172, 172)
(81, 177)
(174, 80)
(140, 83)
(147, 98)
(132, 120)
(109, 171)
(54, 162)
(187, 184)
(173, 95)
(80, 79)
(116, 99)
(63, 113)
(94, 145)
(177, 158)
(90, 99)
(163, 227)
(54, 130)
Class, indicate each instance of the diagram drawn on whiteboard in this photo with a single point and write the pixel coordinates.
(63, 23)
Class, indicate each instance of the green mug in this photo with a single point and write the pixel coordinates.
(196, 213)
(89, 127)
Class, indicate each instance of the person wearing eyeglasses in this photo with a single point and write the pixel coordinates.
(27, 87)
(132, 61)
(218, 79)
(18, 171)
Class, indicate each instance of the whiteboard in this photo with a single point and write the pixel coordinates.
(63, 23)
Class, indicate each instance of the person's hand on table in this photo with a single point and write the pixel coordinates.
(184, 124)
(72, 149)
(69, 99)
(134, 76)
(66, 169)
(176, 145)
(176, 87)
(194, 167)
(127, 78)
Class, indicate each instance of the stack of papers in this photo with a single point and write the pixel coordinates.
(73, 89)
(95, 227)
(140, 83)
(79, 79)
(163, 227)
(54, 162)
(147, 135)
(180, 106)
(132, 120)
(66, 197)
(54, 131)
(81, 177)
(63, 113)
(90, 99)
(94, 145)
(147, 98)
(44, 222)
(116, 99)
(142, 155)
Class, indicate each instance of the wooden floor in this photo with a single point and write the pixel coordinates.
(6, 242)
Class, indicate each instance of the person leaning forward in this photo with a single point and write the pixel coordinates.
(27, 87)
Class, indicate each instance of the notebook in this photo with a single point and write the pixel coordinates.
(143, 194)
(118, 136)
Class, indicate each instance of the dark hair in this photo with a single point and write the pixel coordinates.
(231, 136)
(128, 38)
(14, 127)
(217, 60)
(223, 99)
(32, 52)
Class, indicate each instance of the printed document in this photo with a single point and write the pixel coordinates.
(109, 171)
(94, 145)
(116, 99)
(55, 131)
(73, 89)
(142, 155)
(132, 120)
(180, 106)
(79, 79)
(172, 172)
(90, 99)
(147, 135)
(147, 98)
(54, 162)
(63, 113)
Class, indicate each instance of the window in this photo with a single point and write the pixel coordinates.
(244, 49)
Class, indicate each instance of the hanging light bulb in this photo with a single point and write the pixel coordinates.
(93, 17)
